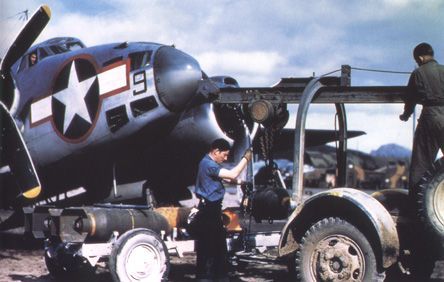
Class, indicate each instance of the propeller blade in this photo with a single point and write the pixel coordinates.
(26, 37)
(313, 137)
(16, 155)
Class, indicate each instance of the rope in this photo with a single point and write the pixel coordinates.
(384, 71)
(328, 73)
(369, 70)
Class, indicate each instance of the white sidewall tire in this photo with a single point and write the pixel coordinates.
(139, 255)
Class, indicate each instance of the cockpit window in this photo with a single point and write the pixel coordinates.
(49, 48)
(57, 49)
(43, 53)
(140, 59)
(66, 47)
(75, 46)
(28, 61)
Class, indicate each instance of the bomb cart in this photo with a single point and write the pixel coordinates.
(339, 234)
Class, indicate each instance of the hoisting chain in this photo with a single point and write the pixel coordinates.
(266, 142)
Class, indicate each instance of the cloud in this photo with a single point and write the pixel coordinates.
(255, 64)
(258, 42)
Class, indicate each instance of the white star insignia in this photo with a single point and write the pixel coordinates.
(73, 97)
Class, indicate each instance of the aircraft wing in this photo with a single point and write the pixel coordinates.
(316, 137)
(313, 137)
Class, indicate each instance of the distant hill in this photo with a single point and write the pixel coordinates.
(393, 151)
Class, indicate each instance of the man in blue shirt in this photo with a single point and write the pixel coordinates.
(211, 248)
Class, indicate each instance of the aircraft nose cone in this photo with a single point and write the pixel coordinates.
(176, 77)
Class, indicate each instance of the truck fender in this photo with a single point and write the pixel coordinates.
(357, 207)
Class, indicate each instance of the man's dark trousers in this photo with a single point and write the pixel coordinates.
(211, 246)
(429, 138)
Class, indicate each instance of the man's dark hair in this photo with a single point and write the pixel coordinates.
(422, 49)
(220, 144)
(30, 62)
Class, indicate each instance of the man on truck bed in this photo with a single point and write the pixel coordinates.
(425, 87)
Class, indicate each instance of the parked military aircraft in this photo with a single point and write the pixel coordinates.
(97, 117)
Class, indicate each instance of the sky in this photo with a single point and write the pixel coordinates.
(259, 42)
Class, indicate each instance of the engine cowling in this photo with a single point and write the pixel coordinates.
(176, 77)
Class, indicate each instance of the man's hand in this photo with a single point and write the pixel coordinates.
(248, 155)
(404, 117)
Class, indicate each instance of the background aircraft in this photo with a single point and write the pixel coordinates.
(102, 117)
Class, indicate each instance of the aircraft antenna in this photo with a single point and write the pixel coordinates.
(22, 17)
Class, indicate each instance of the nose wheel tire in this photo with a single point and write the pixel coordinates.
(335, 250)
(139, 255)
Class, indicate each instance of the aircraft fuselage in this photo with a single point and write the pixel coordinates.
(85, 111)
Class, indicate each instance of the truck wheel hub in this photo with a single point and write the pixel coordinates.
(338, 258)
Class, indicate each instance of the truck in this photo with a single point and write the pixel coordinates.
(339, 234)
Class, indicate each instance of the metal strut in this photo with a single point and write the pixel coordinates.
(314, 87)
(299, 137)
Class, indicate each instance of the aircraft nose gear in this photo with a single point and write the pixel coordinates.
(339, 258)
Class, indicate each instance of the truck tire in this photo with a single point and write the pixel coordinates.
(429, 198)
(139, 255)
(335, 250)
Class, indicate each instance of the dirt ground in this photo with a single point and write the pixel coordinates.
(21, 259)
(29, 266)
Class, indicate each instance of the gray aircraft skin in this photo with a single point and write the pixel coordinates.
(105, 115)
(127, 108)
